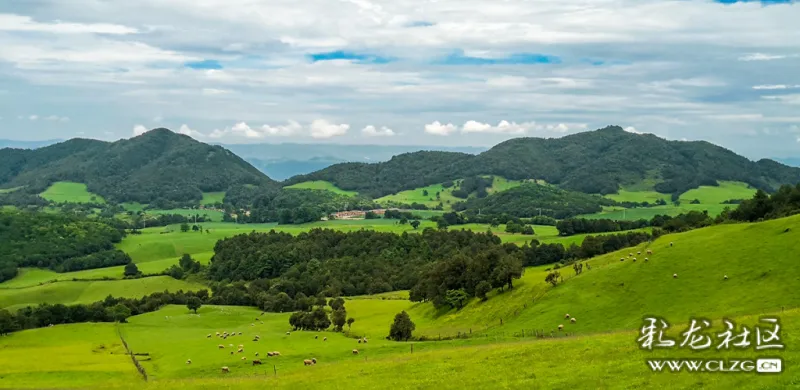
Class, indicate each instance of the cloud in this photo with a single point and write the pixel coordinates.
(204, 65)
(33, 117)
(437, 128)
(214, 91)
(761, 57)
(185, 130)
(371, 131)
(139, 130)
(322, 129)
(56, 118)
(775, 86)
(243, 130)
(292, 128)
(633, 130)
(158, 119)
(10, 22)
(788, 99)
(504, 127)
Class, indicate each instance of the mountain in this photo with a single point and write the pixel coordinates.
(157, 165)
(282, 161)
(599, 161)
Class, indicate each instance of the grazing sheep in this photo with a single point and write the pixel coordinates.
(255, 339)
(307, 362)
(355, 352)
(622, 259)
(639, 252)
(573, 320)
(316, 337)
(726, 277)
(630, 254)
(217, 333)
(670, 244)
(209, 336)
(634, 259)
(221, 346)
(646, 259)
(240, 333)
(365, 340)
(269, 354)
(276, 353)
(252, 324)
(188, 361)
(225, 337)
(566, 316)
(359, 341)
(240, 350)
(675, 276)
(256, 353)
(324, 339)
(244, 357)
(561, 327)
(225, 370)
(649, 251)
(288, 333)
(256, 362)
(241, 345)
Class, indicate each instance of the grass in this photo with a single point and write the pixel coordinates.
(726, 190)
(649, 212)
(214, 215)
(446, 197)
(70, 292)
(69, 192)
(321, 185)
(626, 195)
(210, 198)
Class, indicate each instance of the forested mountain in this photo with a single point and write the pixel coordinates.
(593, 162)
(159, 164)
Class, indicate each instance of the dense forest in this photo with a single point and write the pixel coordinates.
(157, 166)
(288, 206)
(529, 200)
(591, 162)
(56, 241)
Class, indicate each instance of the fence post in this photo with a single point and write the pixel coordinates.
(275, 369)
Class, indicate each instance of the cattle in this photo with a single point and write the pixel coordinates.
(225, 370)
(256, 362)
(355, 352)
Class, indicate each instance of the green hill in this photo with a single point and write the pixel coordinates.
(158, 165)
(600, 161)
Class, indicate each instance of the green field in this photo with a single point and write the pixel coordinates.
(210, 198)
(321, 185)
(216, 216)
(620, 213)
(69, 292)
(69, 192)
(446, 197)
(726, 190)
(608, 300)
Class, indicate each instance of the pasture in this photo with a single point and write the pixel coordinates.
(321, 185)
(69, 192)
(214, 215)
(446, 197)
(726, 190)
(210, 198)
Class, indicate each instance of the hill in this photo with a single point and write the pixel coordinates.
(600, 161)
(158, 165)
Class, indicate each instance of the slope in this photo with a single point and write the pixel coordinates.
(158, 165)
(599, 161)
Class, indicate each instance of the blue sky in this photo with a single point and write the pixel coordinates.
(451, 72)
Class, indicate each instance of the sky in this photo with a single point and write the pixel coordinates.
(436, 72)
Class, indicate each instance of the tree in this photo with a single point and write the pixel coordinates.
(403, 221)
(402, 327)
(119, 312)
(424, 192)
(337, 303)
(131, 270)
(350, 322)
(509, 268)
(553, 277)
(339, 318)
(456, 298)
(195, 228)
(415, 224)
(184, 227)
(194, 303)
(482, 289)
(441, 224)
(8, 323)
(528, 230)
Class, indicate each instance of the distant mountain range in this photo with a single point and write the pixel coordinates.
(599, 161)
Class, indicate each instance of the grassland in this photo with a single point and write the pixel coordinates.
(726, 190)
(321, 185)
(446, 197)
(214, 215)
(70, 292)
(69, 192)
(210, 198)
(608, 300)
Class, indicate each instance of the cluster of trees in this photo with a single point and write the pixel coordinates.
(682, 222)
(476, 184)
(536, 253)
(783, 203)
(568, 227)
(157, 167)
(57, 241)
(529, 200)
(108, 310)
(335, 263)
(316, 318)
(397, 214)
(288, 206)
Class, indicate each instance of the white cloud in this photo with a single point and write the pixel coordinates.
(139, 130)
(243, 130)
(633, 130)
(504, 127)
(185, 130)
(56, 118)
(292, 128)
(322, 129)
(10, 22)
(775, 86)
(158, 119)
(214, 91)
(437, 128)
(371, 131)
(33, 117)
(761, 57)
(788, 99)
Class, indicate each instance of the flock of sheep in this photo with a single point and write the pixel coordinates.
(257, 361)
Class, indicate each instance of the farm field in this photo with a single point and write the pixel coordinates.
(70, 292)
(726, 190)
(607, 301)
(650, 212)
(210, 198)
(70, 192)
(321, 185)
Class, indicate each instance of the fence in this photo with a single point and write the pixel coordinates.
(133, 357)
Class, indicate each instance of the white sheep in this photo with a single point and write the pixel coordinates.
(726, 277)
(573, 320)
(675, 276)
(561, 327)
(188, 361)
(566, 316)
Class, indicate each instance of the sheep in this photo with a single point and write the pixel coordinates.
(244, 357)
(634, 259)
(649, 251)
(573, 320)
(241, 345)
(670, 244)
(209, 336)
(639, 253)
(675, 276)
(561, 327)
(630, 254)
(225, 370)
(646, 259)
(276, 353)
(307, 362)
(188, 361)
(255, 339)
(355, 352)
(230, 345)
(365, 340)
(240, 333)
(217, 333)
(726, 277)
(623, 259)
(256, 353)
(359, 341)
(221, 346)
(256, 362)
(566, 316)
(288, 333)
(324, 339)
(240, 350)
(316, 337)
(252, 324)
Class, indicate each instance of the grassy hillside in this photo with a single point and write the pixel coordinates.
(321, 185)
(69, 292)
(210, 198)
(446, 198)
(727, 190)
(619, 213)
(64, 191)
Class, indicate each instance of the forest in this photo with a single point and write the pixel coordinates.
(57, 241)
(782, 203)
(289, 206)
(530, 200)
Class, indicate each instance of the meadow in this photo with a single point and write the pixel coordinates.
(321, 185)
(69, 192)
(210, 198)
(446, 197)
